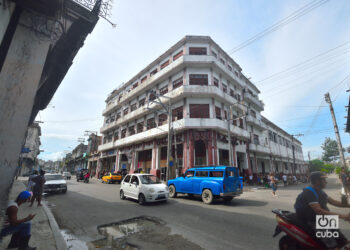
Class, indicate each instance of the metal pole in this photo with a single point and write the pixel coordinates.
(169, 140)
(293, 149)
(340, 147)
(176, 165)
(229, 136)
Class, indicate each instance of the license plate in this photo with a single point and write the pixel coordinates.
(161, 196)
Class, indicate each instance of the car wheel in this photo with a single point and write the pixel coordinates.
(122, 196)
(228, 199)
(172, 191)
(64, 191)
(77, 180)
(108, 182)
(207, 196)
(142, 199)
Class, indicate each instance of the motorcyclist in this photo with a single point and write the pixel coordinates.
(86, 177)
(313, 201)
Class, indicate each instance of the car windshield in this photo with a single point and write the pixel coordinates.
(53, 177)
(149, 179)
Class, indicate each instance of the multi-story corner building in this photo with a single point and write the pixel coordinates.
(202, 82)
(31, 149)
(77, 159)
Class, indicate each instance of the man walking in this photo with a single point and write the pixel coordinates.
(31, 183)
(19, 228)
(38, 188)
(284, 177)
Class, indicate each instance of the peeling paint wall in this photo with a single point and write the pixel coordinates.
(19, 80)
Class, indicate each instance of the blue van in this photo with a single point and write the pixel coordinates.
(209, 182)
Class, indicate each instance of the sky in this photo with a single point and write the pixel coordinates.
(294, 98)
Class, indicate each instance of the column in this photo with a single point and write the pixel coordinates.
(185, 150)
(248, 159)
(216, 162)
(98, 167)
(256, 164)
(154, 158)
(210, 148)
(117, 160)
(191, 150)
(132, 167)
(234, 152)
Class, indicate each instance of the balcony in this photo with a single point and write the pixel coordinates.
(186, 60)
(254, 100)
(105, 146)
(252, 120)
(259, 148)
(175, 95)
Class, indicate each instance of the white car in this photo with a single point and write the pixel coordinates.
(54, 183)
(144, 188)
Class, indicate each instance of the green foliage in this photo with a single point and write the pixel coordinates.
(330, 150)
(316, 165)
(337, 170)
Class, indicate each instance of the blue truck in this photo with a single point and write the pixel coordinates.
(209, 182)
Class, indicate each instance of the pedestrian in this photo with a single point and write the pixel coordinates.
(273, 184)
(250, 179)
(19, 228)
(31, 183)
(284, 177)
(38, 188)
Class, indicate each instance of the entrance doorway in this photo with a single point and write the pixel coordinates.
(200, 153)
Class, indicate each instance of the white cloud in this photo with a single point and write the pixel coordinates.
(54, 156)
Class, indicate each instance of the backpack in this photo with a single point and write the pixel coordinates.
(298, 203)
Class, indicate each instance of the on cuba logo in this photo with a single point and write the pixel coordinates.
(325, 225)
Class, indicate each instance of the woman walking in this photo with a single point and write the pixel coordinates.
(273, 184)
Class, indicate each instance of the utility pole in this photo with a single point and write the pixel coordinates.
(340, 147)
(229, 135)
(169, 140)
(168, 111)
(293, 150)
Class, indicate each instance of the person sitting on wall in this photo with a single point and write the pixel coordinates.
(19, 228)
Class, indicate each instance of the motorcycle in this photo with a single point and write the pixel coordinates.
(86, 180)
(296, 237)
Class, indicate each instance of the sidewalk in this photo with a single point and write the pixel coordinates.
(45, 231)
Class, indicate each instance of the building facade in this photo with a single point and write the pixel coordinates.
(203, 83)
(76, 160)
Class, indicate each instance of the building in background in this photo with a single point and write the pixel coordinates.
(30, 150)
(203, 82)
(92, 151)
(78, 159)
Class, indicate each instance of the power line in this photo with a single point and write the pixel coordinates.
(278, 91)
(319, 66)
(283, 22)
(303, 62)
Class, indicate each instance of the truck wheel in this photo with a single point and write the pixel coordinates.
(228, 199)
(172, 191)
(207, 196)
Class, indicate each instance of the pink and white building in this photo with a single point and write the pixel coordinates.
(202, 81)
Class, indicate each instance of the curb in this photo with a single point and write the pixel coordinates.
(60, 242)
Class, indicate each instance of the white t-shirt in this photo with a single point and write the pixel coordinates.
(9, 204)
(284, 177)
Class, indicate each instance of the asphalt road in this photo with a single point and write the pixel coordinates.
(246, 223)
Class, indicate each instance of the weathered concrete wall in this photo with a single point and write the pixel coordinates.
(5, 16)
(19, 80)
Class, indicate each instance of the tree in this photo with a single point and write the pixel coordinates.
(330, 150)
(316, 165)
